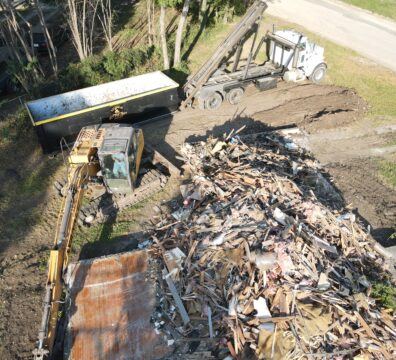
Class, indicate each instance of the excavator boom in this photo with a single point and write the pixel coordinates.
(112, 152)
(59, 259)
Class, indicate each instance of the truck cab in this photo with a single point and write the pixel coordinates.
(307, 61)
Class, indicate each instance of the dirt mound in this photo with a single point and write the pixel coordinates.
(328, 108)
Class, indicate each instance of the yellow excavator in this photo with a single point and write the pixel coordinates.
(110, 154)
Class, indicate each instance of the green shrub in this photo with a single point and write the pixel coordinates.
(110, 66)
(385, 295)
(121, 64)
(92, 71)
(116, 65)
(86, 73)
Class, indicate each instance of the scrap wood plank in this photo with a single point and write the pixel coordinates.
(364, 325)
(314, 244)
(176, 297)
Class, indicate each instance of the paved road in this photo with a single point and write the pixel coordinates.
(371, 35)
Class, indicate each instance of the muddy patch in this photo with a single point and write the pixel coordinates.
(314, 112)
(366, 192)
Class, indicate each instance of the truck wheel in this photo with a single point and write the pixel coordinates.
(234, 96)
(318, 74)
(213, 102)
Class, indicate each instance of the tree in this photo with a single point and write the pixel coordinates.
(179, 33)
(105, 17)
(48, 38)
(164, 43)
(150, 21)
(81, 19)
(164, 4)
(27, 69)
(203, 11)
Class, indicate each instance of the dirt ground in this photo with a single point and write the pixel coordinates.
(332, 125)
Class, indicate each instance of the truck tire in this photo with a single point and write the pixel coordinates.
(214, 101)
(319, 73)
(234, 96)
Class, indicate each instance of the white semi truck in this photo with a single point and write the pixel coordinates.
(224, 76)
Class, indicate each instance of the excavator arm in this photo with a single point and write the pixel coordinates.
(86, 159)
(59, 259)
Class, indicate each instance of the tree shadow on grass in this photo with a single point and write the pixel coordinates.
(25, 174)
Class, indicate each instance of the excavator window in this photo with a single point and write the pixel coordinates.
(115, 166)
(115, 169)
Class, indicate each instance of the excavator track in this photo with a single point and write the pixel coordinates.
(107, 206)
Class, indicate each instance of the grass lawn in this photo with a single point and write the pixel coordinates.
(388, 171)
(383, 7)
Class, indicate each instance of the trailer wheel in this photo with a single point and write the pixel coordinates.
(234, 96)
(214, 101)
(318, 74)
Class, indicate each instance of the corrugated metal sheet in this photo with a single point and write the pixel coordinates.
(112, 301)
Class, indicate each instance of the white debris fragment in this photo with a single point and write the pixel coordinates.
(174, 259)
(144, 244)
(264, 261)
(260, 305)
(218, 240)
(232, 306)
(323, 283)
(171, 342)
(291, 146)
(269, 326)
(281, 217)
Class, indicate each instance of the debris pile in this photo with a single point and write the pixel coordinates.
(256, 266)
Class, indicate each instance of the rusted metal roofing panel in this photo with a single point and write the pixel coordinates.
(112, 299)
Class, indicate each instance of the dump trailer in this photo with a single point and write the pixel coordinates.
(111, 155)
(128, 101)
(224, 76)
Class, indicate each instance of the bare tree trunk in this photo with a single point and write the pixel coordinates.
(74, 25)
(179, 34)
(106, 19)
(163, 37)
(149, 22)
(91, 24)
(82, 19)
(153, 20)
(202, 10)
(51, 47)
(18, 38)
(10, 41)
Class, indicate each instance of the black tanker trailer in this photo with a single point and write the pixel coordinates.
(129, 100)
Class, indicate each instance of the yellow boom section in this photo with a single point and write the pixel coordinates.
(59, 258)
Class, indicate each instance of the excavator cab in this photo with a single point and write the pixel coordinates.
(119, 156)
